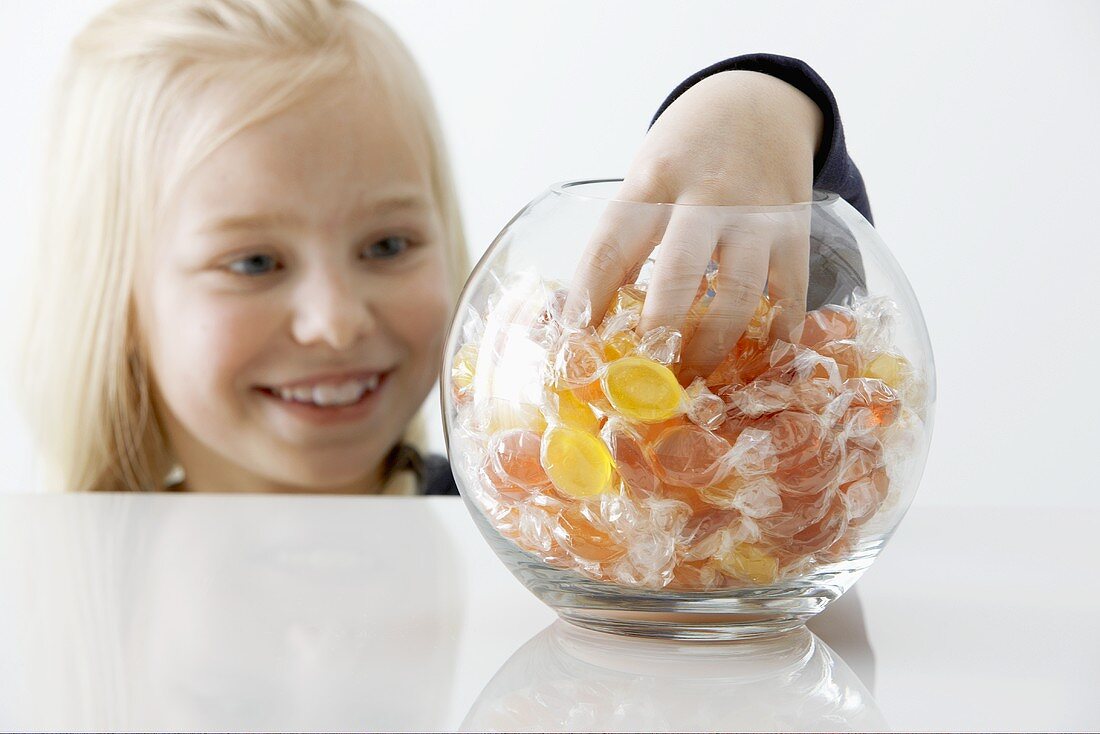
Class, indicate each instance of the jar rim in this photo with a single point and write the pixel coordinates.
(584, 189)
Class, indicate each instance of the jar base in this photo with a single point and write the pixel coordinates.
(705, 626)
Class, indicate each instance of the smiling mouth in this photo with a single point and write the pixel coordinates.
(331, 396)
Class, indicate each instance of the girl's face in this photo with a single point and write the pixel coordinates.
(295, 299)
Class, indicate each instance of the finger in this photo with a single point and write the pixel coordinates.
(623, 238)
(789, 276)
(739, 283)
(685, 251)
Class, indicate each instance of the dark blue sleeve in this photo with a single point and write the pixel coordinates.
(834, 169)
(436, 477)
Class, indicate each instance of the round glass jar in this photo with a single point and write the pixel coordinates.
(637, 483)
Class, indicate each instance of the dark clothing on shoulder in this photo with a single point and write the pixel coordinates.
(437, 478)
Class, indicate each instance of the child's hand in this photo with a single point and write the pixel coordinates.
(736, 137)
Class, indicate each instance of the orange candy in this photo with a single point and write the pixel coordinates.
(515, 456)
(592, 395)
(798, 513)
(864, 454)
(827, 324)
(751, 344)
(698, 309)
(688, 496)
(874, 403)
(847, 355)
(570, 411)
(579, 531)
(697, 576)
(650, 432)
(531, 528)
(824, 532)
(809, 454)
(774, 362)
(865, 495)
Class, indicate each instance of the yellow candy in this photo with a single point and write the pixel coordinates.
(643, 390)
(890, 368)
(627, 298)
(749, 563)
(571, 412)
(577, 463)
(462, 372)
(620, 345)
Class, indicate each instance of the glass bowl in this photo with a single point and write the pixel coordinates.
(673, 471)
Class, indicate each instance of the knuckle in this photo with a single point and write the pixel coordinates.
(607, 260)
(678, 261)
(744, 296)
(655, 177)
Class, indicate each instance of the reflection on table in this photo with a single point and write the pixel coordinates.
(571, 679)
(228, 613)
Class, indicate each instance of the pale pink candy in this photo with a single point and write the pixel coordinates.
(705, 409)
(759, 498)
(690, 456)
(661, 344)
(633, 459)
(618, 323)
(578, 359)
(752, 454)
(861, 499)
(761, 397)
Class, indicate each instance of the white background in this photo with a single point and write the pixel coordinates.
(975, 125)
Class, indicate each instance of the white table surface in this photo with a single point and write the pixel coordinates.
(266, 613)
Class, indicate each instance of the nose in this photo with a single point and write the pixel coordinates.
(331, 309)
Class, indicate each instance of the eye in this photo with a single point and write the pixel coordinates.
(388, 247)
(254, 265)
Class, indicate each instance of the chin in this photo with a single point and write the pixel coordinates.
(328, 476)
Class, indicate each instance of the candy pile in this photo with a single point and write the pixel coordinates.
(583, 447)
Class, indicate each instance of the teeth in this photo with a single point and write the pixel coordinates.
(345, 393)
(338, 394)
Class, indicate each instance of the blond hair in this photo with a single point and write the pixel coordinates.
(121, 139)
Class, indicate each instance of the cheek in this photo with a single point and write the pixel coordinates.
(421, 315)
(204, 344)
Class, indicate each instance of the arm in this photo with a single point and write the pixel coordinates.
(834, 169)
(727, 136)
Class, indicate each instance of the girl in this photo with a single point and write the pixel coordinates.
(251, 243)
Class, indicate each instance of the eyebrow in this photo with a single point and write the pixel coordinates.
(381, 207)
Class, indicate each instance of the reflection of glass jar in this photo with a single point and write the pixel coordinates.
(571, 679)
(633, 493)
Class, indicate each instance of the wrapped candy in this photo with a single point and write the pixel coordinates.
(643, 390)
(577, 463)
(591, 455)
